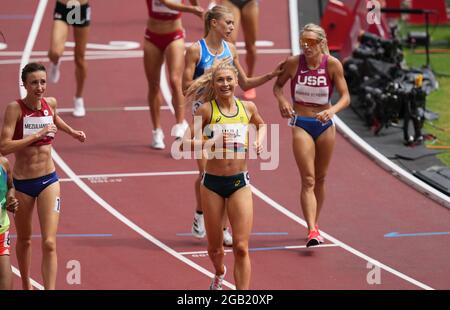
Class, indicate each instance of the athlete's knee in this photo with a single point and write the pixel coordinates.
(175, 82)
(320, 180)
(153, 84)
(24, 241)
(240, 248)
(250, 48)
(54, 55)
(308, 182)
(214, 252)
(49, 245)
(80, 61)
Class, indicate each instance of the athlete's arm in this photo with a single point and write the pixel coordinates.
(287, 74)
(194, 136)
(261, 127)
(62, 125)
(194, 8)
(246, 82)
(191, 59)
(336, 72)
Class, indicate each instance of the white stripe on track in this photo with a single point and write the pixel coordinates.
(346, 247)
(112, 109)
(68, 56)
(33, 282)
(128, 222)
(131, 175)
(286, 247)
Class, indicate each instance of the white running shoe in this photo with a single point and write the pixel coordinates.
(158, 139)
(53, 72)
(227, 238)
(78, 107)
(198, 227)
(216, 283)
(179, 129)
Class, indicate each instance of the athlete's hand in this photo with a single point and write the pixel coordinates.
(49, 130)
(258, 147)
(198, 10)
(286, 110)
(325, 115)
(278, 70)
(79, 135)
(12, 204)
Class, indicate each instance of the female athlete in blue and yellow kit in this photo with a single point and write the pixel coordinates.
(8, 202)
(201, 57)
(225, 178)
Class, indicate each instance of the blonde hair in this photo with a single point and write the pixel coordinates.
(202, 89)
(320, 33)
(216, 12)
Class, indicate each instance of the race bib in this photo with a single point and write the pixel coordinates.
(158, 7)
(237, 132)
(32, 125)
(316, 95)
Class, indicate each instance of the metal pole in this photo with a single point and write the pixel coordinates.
(427, 48)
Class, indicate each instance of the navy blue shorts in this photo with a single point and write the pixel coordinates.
(312, 125)
(240, 3)
(33, 187)
(225, 186)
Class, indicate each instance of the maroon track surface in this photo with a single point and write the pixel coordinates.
(363, 201)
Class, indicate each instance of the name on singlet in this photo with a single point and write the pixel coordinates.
(237, 133)
(31, 125)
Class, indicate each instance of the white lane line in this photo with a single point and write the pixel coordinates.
(24, 60)
(136, 53)
(123, 55)
(131, 175)
(346, 247)
(126, 221)
(112, 109)
(111, 46)
(31, 39)
(33, 282)
(276, 206)
(287, 247)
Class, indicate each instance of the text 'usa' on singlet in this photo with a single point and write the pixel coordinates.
(31, 122)
(207, 58)
(311, 87)
(157, 10)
